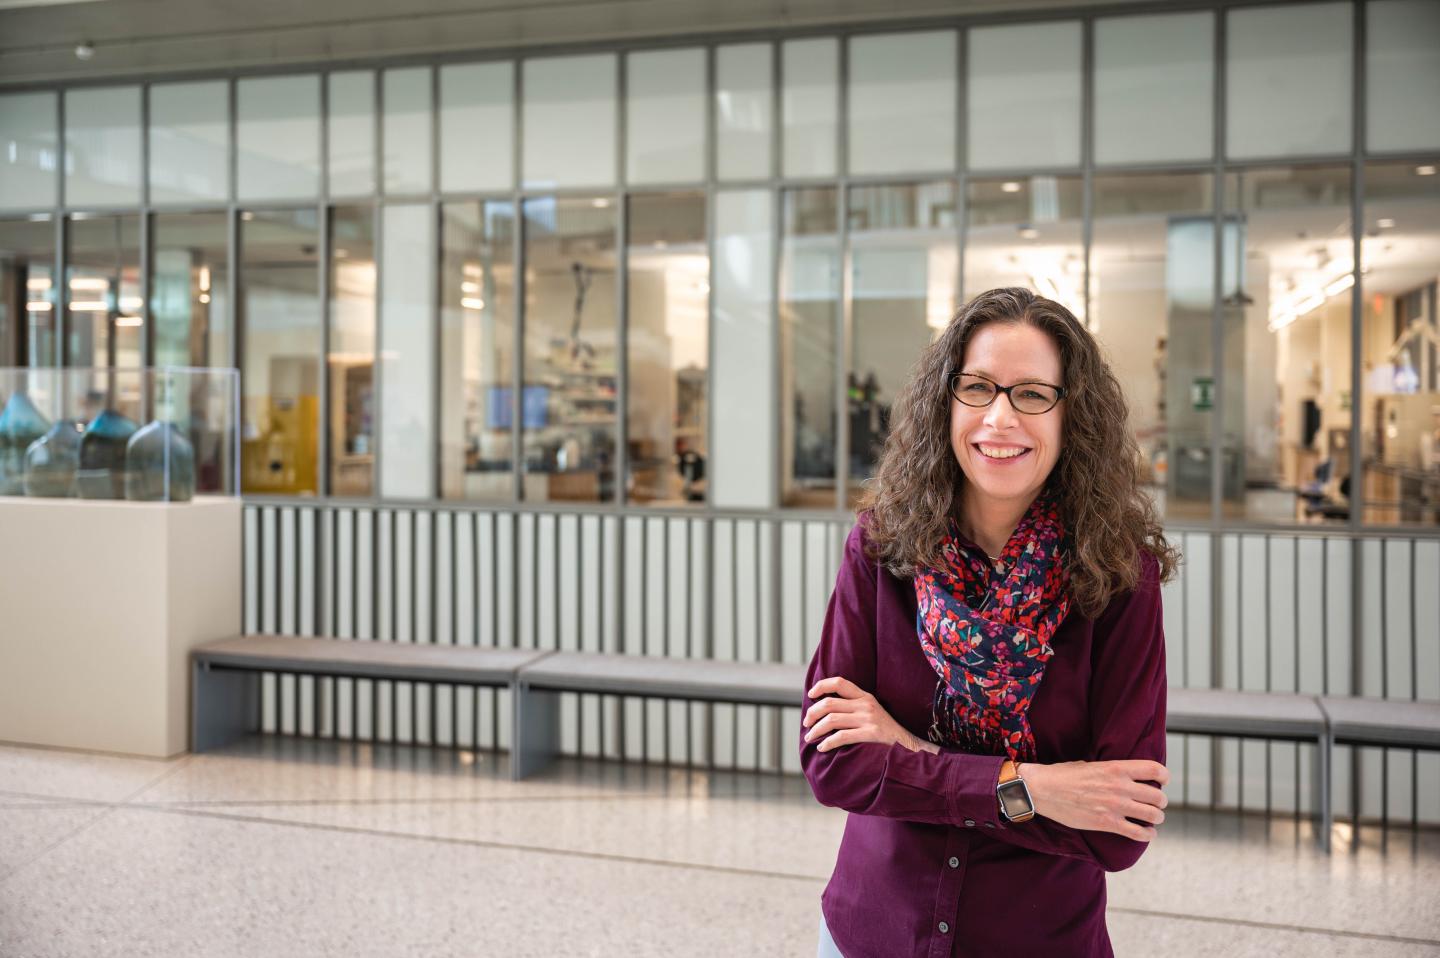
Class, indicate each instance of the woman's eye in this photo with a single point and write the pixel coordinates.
(1031, 394)
(978, 388)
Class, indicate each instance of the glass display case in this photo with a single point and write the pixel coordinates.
(155, 434)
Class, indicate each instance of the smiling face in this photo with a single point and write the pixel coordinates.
(1006, 456)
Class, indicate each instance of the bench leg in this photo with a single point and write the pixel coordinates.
(535, 730)
(224, 706)
(1325, 813)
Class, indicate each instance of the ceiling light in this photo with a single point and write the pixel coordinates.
(1029, 233)
(1427, 169)
(341, 253)
(84, 50)
(39, 306)
(129, 321)
(1010, 186)
(469, 287)
(471, 302)
(247, 216)
(600, 202)
(1385, 223)
(1340, 285)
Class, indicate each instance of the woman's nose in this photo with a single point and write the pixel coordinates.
(1000, 414)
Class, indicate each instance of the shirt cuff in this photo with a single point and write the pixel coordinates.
(973, 802)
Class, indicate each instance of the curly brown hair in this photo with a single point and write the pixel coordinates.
(1096, 479)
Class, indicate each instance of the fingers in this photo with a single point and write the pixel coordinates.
(1139, 833)
(838, 685)
(835, 720)
(1144, 770)
(827, 705)
(1146, 813)
(843, 737)
(1148, 794)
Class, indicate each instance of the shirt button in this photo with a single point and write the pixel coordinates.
(989, 824)
(969, 823)
(944, 928)
(954, 863)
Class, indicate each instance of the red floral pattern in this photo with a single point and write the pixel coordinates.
(985, 628)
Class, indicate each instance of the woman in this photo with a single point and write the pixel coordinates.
(1004, 541)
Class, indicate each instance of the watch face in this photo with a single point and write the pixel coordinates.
(1015, 799)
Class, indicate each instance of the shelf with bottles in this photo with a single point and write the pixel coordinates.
(145, 434)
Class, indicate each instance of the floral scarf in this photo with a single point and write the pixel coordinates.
(988, 636)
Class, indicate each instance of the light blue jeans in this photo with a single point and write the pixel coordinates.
(827, 947)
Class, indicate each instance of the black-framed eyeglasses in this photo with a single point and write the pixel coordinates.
(1031, 398)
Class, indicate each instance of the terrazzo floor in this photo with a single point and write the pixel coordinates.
(281, 847)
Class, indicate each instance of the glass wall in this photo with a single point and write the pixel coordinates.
(904, 288)
(843, 193)
(280, 320)
(570, 392)
(809, 305)
(668, 349)
(190, 289)
(27, 293)
(104, 315)
(1152, 256)
(1285, 316)
(477, 356)
(1400, 344)
(351, 358)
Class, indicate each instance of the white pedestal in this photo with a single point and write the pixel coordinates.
(100, 605)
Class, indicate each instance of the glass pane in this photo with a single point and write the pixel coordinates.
(104, 315)
(742, 471)
(1400, 355)
(102, 146)
(190, 289)
(189, 142)
(569, 121)
(1286, 311)
(27, 293)
(28, 154)
(744, 111)
(407, 330)
(1155, 88)
(1024, 96)
(904, 279)
(1152, 277)
(1402, 75)
(280, 372)
(902, 103)
(665, 116)
(477, 127)
(350, 133)
(809, 323)
(477, 356)
(567, 402)
(352, 351)
(1026, 231)
(1287, 90)
(407, 130)
(669, 350)
(810, 106)
(277, 138)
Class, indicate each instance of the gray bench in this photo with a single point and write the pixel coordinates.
(226, 674)
(225, 705)
(1284, 716)
(539, 685)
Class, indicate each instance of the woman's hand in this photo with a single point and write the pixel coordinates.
(854, 717)
(1100, 796)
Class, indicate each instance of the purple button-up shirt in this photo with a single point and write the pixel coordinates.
(928, 866)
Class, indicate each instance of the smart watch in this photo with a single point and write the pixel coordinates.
(1014, 795)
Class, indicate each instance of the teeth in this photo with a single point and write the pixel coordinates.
(996, 452)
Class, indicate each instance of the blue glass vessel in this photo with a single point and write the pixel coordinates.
(102, 456)
(159, 464)
(20, 425)
(51, 460)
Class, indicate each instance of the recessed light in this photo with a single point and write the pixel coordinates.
(247, 216)
(1029, 233)
(1010, 187)
(84, 50)
(1385, 223)
(600, 202)
(1427, 170)
(341, 253)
